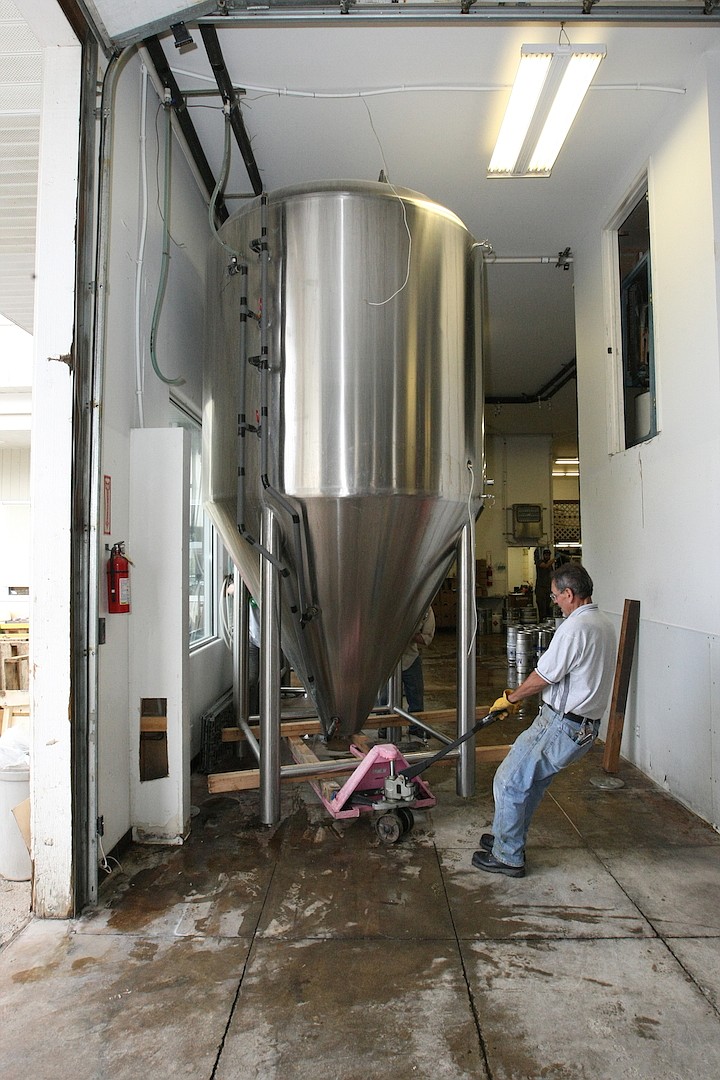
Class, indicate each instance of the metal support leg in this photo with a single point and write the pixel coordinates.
(466, 645)
(241, 633)
(241, 664)
(270, 677)
(395, 698)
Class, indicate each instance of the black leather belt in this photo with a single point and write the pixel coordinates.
(578, 719)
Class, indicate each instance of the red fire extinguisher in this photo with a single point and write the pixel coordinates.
(118, 579)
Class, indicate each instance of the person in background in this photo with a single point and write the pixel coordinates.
(253, 658)
(413, 683)
(543, 572)
(574, 678)
(412, 669)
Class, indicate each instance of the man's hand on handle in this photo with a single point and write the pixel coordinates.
(503, 705)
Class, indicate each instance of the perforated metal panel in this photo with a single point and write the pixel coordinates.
(124, 22)
(20, 98)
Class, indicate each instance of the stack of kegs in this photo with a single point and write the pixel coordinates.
(526, 643)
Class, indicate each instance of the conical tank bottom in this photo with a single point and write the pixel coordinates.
(377, 563)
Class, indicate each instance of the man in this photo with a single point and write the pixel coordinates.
(412, 670)
(543, 573)
(413, 682)
(574, 677)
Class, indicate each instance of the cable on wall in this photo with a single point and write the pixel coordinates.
(386, 173)
(220, 187)
(419, 88)
(165, 249)
(139, 367)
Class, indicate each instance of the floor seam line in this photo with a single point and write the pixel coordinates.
(234, 1004)
(665, 941)
(468, 988)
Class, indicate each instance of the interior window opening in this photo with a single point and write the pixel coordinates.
(636, 319)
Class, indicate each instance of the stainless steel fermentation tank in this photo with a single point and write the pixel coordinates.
(340, 392)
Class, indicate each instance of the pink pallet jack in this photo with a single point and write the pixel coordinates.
(385, 784)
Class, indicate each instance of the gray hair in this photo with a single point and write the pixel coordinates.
(573, 576)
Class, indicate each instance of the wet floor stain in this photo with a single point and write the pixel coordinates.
(310, 950)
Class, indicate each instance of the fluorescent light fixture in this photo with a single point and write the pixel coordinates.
(567, 461)
(549, 88)
(558, 473)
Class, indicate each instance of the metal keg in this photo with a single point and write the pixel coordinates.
(544, 637)
(512, 632)
(525, 650)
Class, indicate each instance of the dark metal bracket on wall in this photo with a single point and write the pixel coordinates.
(547, 390)
(229, 96)
(166, 77)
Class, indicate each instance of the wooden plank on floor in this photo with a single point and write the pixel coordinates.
(303, 755)
(623, 669)
(249, 779)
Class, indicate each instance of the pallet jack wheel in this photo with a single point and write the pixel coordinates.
(407, 818)
(389, 827)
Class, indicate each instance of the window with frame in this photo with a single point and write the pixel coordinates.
(201, 561)
(636, 325)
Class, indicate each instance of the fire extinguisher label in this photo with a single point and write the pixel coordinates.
(124, 590)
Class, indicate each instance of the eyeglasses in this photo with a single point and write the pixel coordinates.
(554, 596)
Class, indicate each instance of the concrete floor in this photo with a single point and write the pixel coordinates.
(312, 951)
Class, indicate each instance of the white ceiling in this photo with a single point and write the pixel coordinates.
(447, 81)
(439, 141)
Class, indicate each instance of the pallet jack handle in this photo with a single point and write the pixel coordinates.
(419, 767)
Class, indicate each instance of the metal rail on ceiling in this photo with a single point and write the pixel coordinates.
(351, 12)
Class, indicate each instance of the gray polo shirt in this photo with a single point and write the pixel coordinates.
(579, 663)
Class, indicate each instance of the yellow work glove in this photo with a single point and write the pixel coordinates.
(503, 705)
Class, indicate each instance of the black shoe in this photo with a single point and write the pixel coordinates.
(382, 733)
(487, 840)
(417, 732)
(485, 860)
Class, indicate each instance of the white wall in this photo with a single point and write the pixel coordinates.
(651, 513)
(520, 466)
(565, 487)
(159, 627)
(179, 354)
(51, 474)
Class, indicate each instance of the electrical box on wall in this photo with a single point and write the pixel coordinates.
(526, 524)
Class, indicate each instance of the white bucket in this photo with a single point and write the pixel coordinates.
(14, 789)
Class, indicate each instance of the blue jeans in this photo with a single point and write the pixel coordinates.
(551, 743)
(413, 685)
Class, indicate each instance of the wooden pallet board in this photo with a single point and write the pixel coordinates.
(621, 685)
(249, 779)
